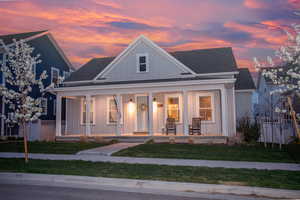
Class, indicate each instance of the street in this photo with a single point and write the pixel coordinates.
(34, 192)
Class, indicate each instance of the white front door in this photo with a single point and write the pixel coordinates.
(142, 113)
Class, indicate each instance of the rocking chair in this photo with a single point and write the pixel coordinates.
(170, 126)
(195, 127)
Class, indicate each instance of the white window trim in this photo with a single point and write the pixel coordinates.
(138, 62)
(66, 73)
(46, 110)
(81, 111)
(52, 71)
(34, 70)
(107, 111)
(180, 105)
(212, 96)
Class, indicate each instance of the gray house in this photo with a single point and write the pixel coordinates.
(134, 93)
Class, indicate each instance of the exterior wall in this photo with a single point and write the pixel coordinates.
(159, 66)
(243, 104)
(74, 126)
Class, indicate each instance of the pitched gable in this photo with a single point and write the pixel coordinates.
(159, 63)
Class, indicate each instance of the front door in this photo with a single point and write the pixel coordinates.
(142, 113)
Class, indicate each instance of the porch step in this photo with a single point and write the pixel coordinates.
(143, 133)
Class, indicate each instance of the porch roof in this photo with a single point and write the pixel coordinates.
(139, 81)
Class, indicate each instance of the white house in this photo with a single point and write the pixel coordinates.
(148, 85)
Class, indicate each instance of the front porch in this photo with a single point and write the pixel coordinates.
(135, 112)
(142, 139)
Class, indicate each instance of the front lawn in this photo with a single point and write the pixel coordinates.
(210, 152)
(248, 177)
(49, 147)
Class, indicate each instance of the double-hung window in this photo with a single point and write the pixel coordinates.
(92, 111)
(173, 107)
(142, 63)
(44, 105)
(54, 75)
(205, 107)
(112, 110)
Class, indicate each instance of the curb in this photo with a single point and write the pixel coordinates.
(97, 182)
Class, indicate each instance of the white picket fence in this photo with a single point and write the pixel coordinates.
(276, 131)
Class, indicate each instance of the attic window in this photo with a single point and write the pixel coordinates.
(142, 63)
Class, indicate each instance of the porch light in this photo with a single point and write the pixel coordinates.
(131, 107)
(154, 105)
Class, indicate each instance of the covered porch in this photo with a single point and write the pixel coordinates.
(140, 111)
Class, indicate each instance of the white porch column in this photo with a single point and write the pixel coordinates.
(185, 113)
(150, 113)
(58, 115)
(224, 112)
(88, 115)
(119, 117)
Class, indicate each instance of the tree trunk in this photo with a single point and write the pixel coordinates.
(293, 113)
(25, 142)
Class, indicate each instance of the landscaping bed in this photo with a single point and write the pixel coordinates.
(246, 177)
(255, 152)
(49, 147)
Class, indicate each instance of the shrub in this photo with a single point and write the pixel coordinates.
(250, 130)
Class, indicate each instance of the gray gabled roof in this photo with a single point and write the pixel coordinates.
(244, 80)
(203, 61)
(200, 61)
(8, 39)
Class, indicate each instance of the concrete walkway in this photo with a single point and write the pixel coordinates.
(107, 150)
(156, 187)
(160, 161)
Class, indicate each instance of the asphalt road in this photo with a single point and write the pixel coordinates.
(30, 192)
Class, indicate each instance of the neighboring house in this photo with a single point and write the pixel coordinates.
(275, 127)
(55, 63)
(135, 92)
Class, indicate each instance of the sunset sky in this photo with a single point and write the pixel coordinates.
(98, 28)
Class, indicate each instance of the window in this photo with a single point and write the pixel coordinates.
(66, 74)
(92, 111)
(205, 107)
(54, 107)
(173, 107)
(142, 63)
(34, 70)
(44, 105)
(112, 111)
(54, 75)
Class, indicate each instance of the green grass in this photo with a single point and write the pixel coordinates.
(210, 152)
(49, 147)
(248, 177)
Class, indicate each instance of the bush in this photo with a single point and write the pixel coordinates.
(250, 131)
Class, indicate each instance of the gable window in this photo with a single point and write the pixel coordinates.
(92, 111)
(142, 63)
(205, 107)
(112, 110)
(44, 105)
(54, 75)
(173, 107)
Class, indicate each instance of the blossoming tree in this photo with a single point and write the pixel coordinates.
(285, 74)
(20, 80)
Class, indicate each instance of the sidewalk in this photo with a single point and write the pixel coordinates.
(107, 150)
(160, 161)
(156, 187)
